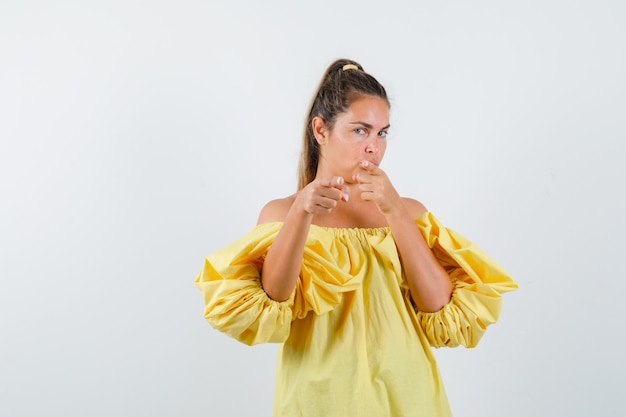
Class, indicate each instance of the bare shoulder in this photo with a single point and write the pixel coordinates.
(415, 207)
(276, 210)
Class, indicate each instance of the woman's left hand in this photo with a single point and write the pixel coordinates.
(375, 186)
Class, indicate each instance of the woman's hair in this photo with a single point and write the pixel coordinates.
(343, 82)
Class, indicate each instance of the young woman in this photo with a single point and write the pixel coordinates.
(354, 280)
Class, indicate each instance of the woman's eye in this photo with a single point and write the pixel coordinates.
(359, 131)
(383, 133)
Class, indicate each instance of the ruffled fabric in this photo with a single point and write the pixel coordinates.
(236, 304)
(322, 281)
(478, 287)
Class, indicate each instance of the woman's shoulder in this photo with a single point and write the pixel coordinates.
(416, 208)
(276, 210)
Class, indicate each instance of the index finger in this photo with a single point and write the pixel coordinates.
(333, 182)
(370, 167)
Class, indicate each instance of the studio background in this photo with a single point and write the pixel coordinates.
(138, 137)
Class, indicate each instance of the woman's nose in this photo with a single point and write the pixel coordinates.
(371, 147)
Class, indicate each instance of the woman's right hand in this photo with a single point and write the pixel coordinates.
(322, 195)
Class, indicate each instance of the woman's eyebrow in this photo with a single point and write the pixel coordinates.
(369, 126)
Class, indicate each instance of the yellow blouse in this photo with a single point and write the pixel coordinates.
(353, 342)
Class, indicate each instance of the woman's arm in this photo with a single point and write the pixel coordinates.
(430, 285)
(283, 261)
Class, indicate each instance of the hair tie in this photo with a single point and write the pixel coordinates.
(349, 67)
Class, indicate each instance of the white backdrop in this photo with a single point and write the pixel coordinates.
(139, 136)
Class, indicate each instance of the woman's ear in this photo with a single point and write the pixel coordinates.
(320, 130)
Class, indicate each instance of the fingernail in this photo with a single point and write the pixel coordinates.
(364, 163)
(346, 197)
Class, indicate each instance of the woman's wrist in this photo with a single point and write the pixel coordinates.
(397, 213)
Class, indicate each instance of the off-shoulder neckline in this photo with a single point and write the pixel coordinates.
(331, 228)
(348, 229)
(351, 229)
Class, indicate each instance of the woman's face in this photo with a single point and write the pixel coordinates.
(359, 134)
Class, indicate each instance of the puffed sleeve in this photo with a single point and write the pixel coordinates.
(478, 287)
(235, 302)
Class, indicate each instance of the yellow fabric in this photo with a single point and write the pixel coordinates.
(353, 343)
